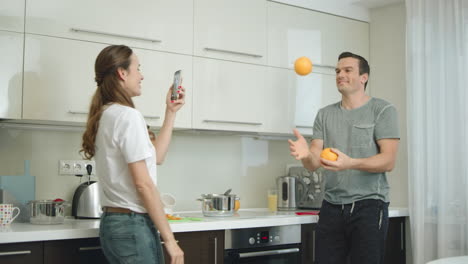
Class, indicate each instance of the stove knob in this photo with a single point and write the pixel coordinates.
(277, 238)
(251, 241)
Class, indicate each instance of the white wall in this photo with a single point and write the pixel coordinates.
(388, 81)
(196, 163)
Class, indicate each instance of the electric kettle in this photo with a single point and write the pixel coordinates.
(288, 196)
(86, 200)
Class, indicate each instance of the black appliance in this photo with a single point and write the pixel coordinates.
(263, 245)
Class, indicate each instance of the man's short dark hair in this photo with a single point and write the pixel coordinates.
(363, 64)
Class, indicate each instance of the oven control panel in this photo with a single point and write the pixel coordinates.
(262, 236)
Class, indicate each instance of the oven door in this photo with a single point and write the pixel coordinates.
(285, 254)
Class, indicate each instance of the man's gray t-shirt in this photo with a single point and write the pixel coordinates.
(355, 132)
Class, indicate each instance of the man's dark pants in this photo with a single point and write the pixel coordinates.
(357, 232)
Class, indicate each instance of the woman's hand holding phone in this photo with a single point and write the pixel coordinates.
(176, 96)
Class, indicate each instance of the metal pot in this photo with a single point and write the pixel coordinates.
(218, 204)
(45, 212)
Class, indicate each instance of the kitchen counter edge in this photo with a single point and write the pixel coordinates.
(76, 229)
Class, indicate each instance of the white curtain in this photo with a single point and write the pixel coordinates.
(437, 96)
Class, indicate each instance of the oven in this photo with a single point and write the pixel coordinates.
(263, 245)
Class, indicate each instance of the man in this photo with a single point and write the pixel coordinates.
(364, 132)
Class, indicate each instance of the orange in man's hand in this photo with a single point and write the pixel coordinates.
(328, 154)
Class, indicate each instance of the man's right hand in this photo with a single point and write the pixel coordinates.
(299, 148)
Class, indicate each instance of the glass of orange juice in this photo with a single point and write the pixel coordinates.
(272, 200)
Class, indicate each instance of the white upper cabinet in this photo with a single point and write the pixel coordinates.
(231, 30)
(158, 70)
(59, 81)
(228, 95)
(12, 15)
(293, 100)
(152, 24)
(11, 74)
(294, 32)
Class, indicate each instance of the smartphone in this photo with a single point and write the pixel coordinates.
(176, 84)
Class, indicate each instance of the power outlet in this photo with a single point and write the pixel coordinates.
(76, 167)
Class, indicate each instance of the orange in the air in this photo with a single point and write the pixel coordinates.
(303, 66)
(328, 154)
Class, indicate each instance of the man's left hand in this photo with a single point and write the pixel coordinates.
(343, 162)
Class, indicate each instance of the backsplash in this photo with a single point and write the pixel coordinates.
(197, 162)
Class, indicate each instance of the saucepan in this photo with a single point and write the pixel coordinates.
(46, 212)
(218, 204)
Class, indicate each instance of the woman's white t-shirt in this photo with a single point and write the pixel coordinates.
(122, 138)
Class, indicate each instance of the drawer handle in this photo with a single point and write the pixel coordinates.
(78, 30)
(12, 253)
(77, 112)
(89, 248)
(234, 52)
(233, 122)
(304, 127)
(152, 117)
(268, 253)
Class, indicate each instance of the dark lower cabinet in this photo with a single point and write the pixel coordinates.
(73, 251)
(205, 247)
(21, 253)
(395, 252)
(395, 247)
(308, 243)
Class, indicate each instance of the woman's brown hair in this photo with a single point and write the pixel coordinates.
(108, 91)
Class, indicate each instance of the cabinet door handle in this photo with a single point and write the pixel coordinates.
(304, 127)
(233, 122)
(77, 112)
(215, 250)
(402, 235)
(89, 248)
(313, 248)
(152, 117)
(234, 52)
(325, 66)
(12, 253)
(78, 30)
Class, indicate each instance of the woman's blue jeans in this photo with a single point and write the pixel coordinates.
(354, 233)
(130, 238)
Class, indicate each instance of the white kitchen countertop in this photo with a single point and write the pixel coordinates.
(73, 229)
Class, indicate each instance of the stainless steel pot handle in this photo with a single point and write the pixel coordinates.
(268, 253)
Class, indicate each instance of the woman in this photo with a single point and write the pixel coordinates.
(117, 137)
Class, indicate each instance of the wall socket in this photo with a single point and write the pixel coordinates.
(76, 167)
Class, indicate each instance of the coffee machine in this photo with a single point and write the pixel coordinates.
(311, 192)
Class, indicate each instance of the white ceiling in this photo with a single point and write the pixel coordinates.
(374, 3)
